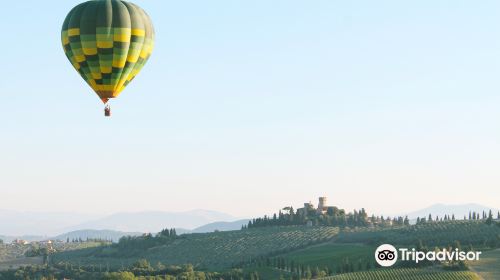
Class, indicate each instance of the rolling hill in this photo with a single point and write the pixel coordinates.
(115, 235)
(221, 226)
(35, 226)
(16, 223)
(225, 249)
(154, 221)
(213, 250)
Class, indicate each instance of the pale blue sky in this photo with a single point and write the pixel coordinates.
(246, 106)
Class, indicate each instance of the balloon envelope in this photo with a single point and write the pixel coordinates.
(108, 42)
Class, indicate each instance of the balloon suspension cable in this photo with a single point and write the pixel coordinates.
(107, 110)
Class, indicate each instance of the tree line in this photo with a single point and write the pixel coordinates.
(141, 270)
(129, 245)
(333, 216)
(297, 271)
(473, 216)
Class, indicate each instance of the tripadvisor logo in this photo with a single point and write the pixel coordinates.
(387, 255)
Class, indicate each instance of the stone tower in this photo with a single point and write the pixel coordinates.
(322, 203)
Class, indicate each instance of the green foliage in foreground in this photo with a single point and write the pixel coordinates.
(326, 259)
(406, 274)
(319, 260)
(210, 250)
(331, 259)
(141, 270)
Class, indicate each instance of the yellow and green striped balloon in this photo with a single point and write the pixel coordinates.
(108, 42)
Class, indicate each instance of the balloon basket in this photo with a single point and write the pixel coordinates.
(107, 111)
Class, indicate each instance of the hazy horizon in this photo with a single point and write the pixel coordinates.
(49, 224)
(245, 107)
(100, 214)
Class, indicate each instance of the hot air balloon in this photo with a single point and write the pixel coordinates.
(108, 42)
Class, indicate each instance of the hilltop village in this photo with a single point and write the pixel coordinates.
(326, 215)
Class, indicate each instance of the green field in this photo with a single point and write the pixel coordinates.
(317, 260)
(294, 250)
(209, 250)
(406, 274)
(326, 255)
(488, 265)
(476, 233)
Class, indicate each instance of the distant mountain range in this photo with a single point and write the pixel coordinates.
(114, 235)
(154, 221)
(42, 225)
(459, 210)
(17, 223)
